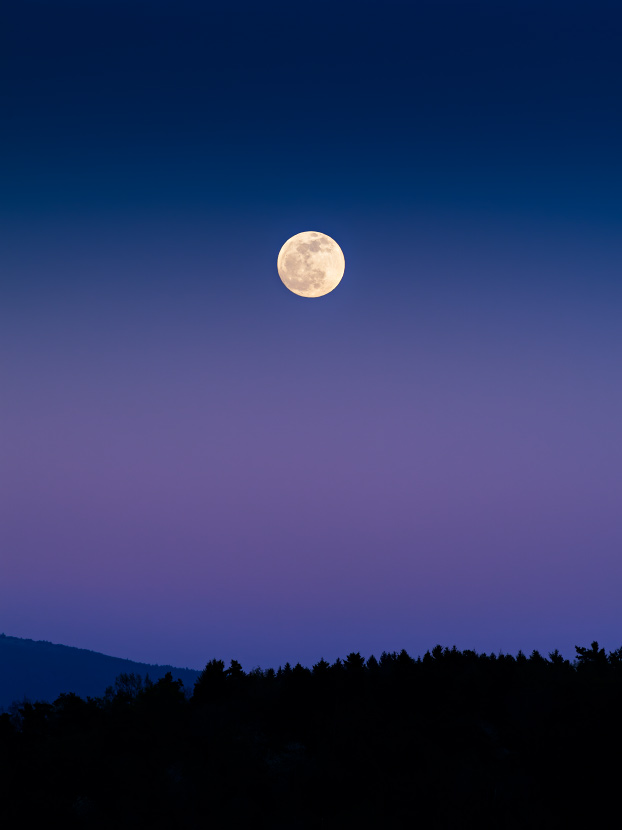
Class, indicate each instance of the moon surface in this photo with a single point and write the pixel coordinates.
(311, 264)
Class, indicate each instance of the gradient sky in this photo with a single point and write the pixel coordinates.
(197, 463)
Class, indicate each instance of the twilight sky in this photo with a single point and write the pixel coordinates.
(197, 463)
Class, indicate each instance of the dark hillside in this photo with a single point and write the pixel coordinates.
(38, 670)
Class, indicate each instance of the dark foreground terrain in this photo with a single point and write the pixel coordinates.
(453, 739)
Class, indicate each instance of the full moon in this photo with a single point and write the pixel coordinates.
(311, 264)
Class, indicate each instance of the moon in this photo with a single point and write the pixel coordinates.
(311, 264)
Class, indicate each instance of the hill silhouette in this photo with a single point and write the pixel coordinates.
(39, 670)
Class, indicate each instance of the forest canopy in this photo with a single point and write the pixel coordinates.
(453, 736)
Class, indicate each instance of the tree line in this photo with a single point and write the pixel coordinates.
(453, 738)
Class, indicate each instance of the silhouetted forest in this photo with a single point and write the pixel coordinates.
(452, 739)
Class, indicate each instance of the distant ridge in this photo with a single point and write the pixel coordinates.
(39, 670)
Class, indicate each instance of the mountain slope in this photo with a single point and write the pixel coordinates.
(38, 670)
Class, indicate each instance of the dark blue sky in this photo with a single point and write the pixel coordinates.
(265, 105)
(198, 463)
